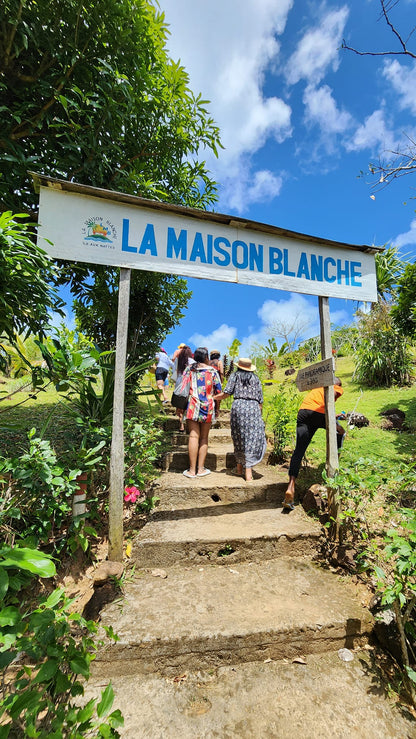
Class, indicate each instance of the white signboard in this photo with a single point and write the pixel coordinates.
(91, 229)
(320, 374)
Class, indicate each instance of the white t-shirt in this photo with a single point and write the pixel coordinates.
(164, 362)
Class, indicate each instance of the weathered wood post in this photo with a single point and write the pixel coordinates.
(116, 498)
(331, 424)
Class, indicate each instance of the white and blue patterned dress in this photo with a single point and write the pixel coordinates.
(247, 425)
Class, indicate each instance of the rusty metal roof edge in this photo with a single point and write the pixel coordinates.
(237, 221)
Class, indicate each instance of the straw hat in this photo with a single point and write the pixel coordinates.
(244, 363)
(181, 346)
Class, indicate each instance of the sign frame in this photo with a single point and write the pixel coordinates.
(239, 261)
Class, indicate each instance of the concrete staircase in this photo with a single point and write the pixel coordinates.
(225, 596)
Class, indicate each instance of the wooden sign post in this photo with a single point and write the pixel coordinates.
(331, 424)
(116, 497)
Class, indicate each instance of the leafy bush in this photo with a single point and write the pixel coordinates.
(143, 446)
(394, 564)
(383, 357)
(36, 492)
(281, 412)
(46, 648)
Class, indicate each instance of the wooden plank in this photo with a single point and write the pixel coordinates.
(331, 428)
(320, 374)
(116, 499)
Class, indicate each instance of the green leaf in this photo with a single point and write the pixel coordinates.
(106, 702)
(379, 572)
(4, 582)
(29, 559)
(9, 616)
(87, 711)
(47, 671)
(28, 701)
(80, 665)
(54, 598)
(105, 731)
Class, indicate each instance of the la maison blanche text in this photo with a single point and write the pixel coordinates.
(205, 249)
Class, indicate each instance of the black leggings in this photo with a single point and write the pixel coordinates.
(307, 423)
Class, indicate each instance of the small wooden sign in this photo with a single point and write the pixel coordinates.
(320, 374)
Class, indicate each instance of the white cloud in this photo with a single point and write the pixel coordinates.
(282, 310)
(244, 190)
(219, 339)
(373, 134)
(318, 50)
(407, 238)
(403, 80)
(226, 48)
(321, 108)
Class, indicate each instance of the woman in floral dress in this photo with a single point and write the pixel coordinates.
(247, 425)
(204, 383)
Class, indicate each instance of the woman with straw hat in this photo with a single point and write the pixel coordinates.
(247, 425)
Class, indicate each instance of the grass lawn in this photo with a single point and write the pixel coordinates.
(392, 448)
(372, 442)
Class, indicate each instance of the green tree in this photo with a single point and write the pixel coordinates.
(404, 312)
(91, 95)
(156, 306)
(26, 297)
(383, 357)
(389, 268)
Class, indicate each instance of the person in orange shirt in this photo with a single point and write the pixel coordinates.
(311, 417)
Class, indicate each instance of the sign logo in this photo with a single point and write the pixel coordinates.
(98, 230)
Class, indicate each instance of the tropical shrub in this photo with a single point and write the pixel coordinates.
(45, 656)
(383, 356)
(394, 565)
(36, 493)
(281, 411)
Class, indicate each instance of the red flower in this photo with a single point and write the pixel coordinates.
(132, 494)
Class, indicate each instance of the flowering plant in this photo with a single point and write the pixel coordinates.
(132, 494)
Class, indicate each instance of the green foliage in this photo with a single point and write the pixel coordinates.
(404, 312)
(281, 412)
(85, 376)
(26, 271)
(91, 94)
(143, 446)
(157, 304)
(148, 504)
(36, 492)
(48, 651)
(394, 565)
(292, 358)
(233, 350)
(355, 486)
(382, 357)
(389, 268)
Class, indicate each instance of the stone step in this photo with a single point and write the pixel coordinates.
(171, 422)
(203, 617)
(322, 696)
(224, 534)
(222, 435)
(220, 455)
(175, 490)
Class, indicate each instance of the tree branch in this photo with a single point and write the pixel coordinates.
(404, 52)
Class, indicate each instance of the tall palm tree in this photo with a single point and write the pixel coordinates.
(389, 268)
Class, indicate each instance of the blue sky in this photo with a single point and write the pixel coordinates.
(300, 118)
